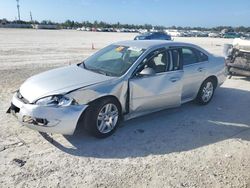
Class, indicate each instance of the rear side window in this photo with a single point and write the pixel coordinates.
(202, 57)
(189, 56)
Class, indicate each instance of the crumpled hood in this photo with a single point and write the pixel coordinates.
(60, 80)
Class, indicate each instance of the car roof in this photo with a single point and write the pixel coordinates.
(152, 33)
(147, 44)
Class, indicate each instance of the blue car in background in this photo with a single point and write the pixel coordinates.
(153, 36)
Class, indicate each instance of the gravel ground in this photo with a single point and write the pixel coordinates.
(190, 146)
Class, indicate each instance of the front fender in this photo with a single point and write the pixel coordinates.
(116, 89)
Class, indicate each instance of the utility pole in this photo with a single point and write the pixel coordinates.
(18, 10)
(31, 19)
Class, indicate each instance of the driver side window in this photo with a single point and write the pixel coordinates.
(157, 60)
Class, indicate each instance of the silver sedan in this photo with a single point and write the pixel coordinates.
(122, 81)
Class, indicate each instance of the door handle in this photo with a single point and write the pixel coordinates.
(174, 79)
(200, 69)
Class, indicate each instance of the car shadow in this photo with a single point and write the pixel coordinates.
(174, 130)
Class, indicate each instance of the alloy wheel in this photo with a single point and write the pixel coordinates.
(207, 91)
(107, 118)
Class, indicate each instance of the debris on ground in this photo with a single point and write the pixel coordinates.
(19, 162)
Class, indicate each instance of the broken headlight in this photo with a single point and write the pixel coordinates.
(55, 100)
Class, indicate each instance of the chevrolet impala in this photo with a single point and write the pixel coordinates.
(121, 81)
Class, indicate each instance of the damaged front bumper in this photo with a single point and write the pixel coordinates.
(238, 59)
(47, 119)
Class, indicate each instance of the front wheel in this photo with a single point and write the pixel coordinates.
(103, 117)
(206, 92)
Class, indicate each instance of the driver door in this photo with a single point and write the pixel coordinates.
(160, 90)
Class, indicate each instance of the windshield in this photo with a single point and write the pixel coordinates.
(113, 60)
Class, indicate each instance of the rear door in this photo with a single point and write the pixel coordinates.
(162, 90)
(195, 65)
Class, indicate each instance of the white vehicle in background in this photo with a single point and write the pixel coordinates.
(81, 29)
(238, 57)
(174, 33)
(214, 35)
(197, 33)
(142, 30)
(243, 45)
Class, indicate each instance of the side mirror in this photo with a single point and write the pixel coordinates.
(147, 72)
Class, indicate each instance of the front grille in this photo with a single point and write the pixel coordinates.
(19, 96)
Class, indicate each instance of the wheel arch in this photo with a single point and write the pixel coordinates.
(81, 118)
(213, 78)
(106, 97)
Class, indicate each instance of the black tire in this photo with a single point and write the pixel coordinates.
(90, 118)
(200, 96)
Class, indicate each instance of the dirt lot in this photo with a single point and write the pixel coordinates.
(191, 146)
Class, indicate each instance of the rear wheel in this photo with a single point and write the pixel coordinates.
(102, 117)
(206, 92)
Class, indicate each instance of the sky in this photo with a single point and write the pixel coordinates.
(203, 13)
